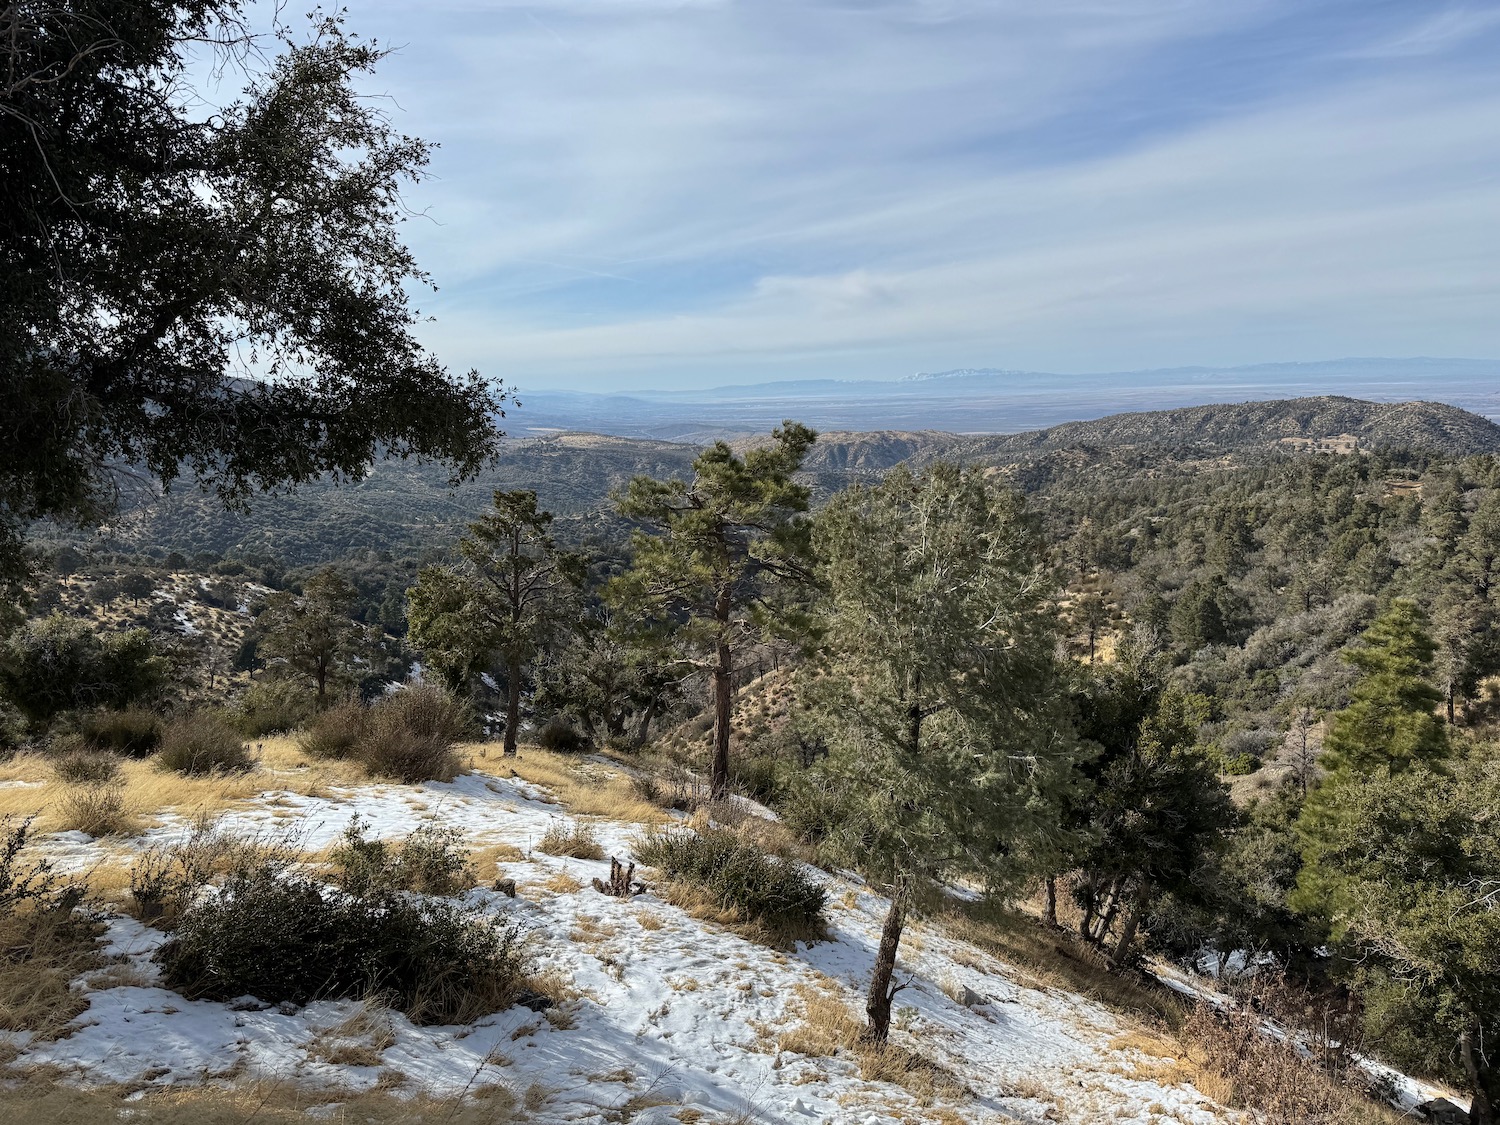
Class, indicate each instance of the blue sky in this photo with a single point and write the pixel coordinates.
(673, 193)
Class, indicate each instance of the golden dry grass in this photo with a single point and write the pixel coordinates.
(44, 952)
(38, 1097)
(1051, 958)
(360, 1040)
(585, 786)
(30, 788)
(827, 1026)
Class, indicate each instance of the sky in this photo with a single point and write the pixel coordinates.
(684, 193)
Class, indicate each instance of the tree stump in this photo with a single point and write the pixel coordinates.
(621, 881)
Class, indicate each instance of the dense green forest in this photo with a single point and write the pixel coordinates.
(1232, 706)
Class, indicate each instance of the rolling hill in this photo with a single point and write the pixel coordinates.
(406, 508)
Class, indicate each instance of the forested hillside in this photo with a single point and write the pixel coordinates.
(403, 507)
(1226, 702)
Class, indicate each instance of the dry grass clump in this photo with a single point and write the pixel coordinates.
(586, 786)
(1267, 1075)
(47, 939)
(96, 810)
(80, 766)
(575, 840)
(337, 732)
(1058, 959)
(828, 1028)
(203, 744)
(392, 750)
(409, 736)
(39, 1097)
(360, 1040)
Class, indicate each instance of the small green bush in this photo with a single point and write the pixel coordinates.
(337, 732)
(281, 936)
(811, 808)
(576, 840)
(431, 860)
(561, 737)
(202, 744)
(757, 777)
(134, 732)
(272, 706)
(737, 875)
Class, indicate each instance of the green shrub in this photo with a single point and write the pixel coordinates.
(433, 861)
(430, 860)
(134, 732)
(281, 936)
(56, 664)
(757, 777)
(810, 808)
(576, 840)
(12, 729)
(739, 876)
(79, 765)
(202, 744)
(561, 737)
(272, 706)
(337, 732)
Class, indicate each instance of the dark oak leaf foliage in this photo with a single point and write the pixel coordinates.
(211, 291)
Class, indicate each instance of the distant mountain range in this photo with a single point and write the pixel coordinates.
(994, 401)
(407, 508)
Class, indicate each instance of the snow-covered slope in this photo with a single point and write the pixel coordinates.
(675, 1019)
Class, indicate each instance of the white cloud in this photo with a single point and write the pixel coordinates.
(658, 189)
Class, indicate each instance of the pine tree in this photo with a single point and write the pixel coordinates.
(1156, 811)
(500, 603)
(938, 697)
(1390, 721)
(718, 550)
(314, 635)
(1401, 863)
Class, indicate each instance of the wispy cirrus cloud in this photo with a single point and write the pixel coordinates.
(634, 192)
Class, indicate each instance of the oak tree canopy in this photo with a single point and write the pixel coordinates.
(216, 291)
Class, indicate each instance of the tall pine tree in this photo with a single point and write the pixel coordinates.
(715, 553)
(939, 694)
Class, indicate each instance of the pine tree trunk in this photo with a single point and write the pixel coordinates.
(1484, 1080)
(643, 728)
(1049, 912)
(878, 1002)
(1086, 920)
(512, 706)
(1111, 909)
(1121, 955)
(723, 701)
